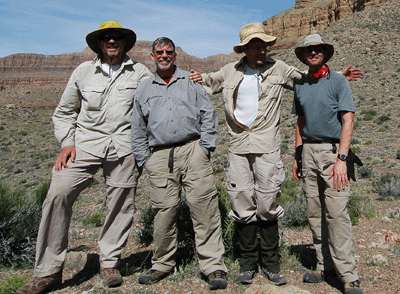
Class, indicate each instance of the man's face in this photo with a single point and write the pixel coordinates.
(256, 51)
(314, 56)
(112, 45)
(163, 56)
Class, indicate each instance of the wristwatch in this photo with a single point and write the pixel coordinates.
(342, 157)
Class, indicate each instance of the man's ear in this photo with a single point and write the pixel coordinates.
(152, 56)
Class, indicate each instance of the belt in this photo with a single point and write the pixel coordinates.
(325, 141)
(328, 141)
(171, 152)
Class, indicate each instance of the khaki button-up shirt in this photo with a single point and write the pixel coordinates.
(96, 109)
(264, 135)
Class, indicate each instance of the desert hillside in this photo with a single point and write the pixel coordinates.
(368, 39)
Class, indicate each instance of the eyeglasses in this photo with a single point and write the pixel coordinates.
(107, 38)
(161, 52)
(316, 49)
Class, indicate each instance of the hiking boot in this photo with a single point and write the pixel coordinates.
(246, 277)
(152, 276)
(352, 288)
(217, 280)
(277, 279)
(318, 276)
(111, 277)
(41, 285)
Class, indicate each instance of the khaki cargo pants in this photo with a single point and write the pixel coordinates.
(121, 180)
(191, 172)
(327, 212)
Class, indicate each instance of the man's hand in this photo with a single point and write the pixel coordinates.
(339, 174)
(352, 74)
(65, 154)
(195, 76)
(295, 171)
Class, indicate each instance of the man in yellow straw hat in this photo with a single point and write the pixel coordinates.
(93, 124)
(252, 91)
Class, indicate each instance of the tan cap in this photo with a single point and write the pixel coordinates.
(251, 31)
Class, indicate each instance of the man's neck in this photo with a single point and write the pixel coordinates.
(166, 74)
(112, 61)
(314, 69)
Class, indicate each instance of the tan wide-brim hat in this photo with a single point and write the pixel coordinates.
(313, 40)
(251, 31)
(93, 37)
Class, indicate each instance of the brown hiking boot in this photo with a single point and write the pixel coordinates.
(111, 277)
(277, 279)
(152, 276)
(41, 285)
(352, 288)
(217, 280)
(318, 276)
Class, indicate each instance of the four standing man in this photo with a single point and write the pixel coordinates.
(174, 129)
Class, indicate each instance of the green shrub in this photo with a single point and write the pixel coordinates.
(388, 186)
(96, 220)
(41, 191)
(19, 221)
(11, 284)
(365, 172)
(295, 213)
(360, 205)
(22, 133)
(369, 114)
(398, 154)
(382, 119)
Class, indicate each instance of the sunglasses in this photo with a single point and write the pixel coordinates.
(160, 52)
(316, 49)
(107, 38)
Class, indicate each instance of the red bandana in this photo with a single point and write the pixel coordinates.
(168, 80)
(319, 74)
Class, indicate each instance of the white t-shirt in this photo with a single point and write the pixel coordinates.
(247, 97)
(110, 69)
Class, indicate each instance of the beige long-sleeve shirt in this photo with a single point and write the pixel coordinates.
(264, 134)
(96, 109)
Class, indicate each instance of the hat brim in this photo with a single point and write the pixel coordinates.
(301, 49)
(93, 37)
(264, 37)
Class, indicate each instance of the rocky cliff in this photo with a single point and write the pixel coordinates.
(311, 16)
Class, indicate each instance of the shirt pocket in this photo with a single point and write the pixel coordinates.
(272, 87)
(92, 98)
(227, 90)
(126, 91)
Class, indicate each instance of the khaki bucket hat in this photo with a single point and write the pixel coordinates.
(93, 37)
(313, 40)
(251, 31)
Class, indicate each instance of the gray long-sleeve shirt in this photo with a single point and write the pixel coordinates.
(167, 114)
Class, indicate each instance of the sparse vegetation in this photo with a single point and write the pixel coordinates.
(19, 221)
(388, 186)
(12, 283)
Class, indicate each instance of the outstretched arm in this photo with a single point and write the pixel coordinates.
(352, 74)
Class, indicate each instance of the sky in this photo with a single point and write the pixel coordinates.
(201, 28)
